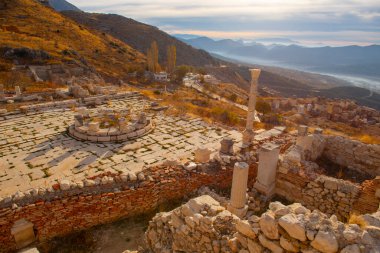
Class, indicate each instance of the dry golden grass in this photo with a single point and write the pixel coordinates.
(356, 135)
(41, 28)
(365, 134)
(369, 139)
(357, 219)
(215, 111)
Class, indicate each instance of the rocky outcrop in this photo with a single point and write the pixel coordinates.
(24, 53)
(202, 225)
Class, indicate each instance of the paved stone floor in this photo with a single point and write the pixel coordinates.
(35, 150)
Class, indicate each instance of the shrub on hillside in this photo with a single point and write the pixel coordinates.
(225, 116)
(263, 107)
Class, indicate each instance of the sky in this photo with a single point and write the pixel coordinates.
(309, 22)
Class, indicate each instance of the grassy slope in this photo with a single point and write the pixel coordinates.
(35, 26)
(140, 36)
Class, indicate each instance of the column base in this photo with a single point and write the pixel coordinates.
(239, 212)
(248, 136)
(267, 190)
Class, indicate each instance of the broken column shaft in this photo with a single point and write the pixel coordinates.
(239, 189)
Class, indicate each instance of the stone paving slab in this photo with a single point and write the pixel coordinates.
(35, 150)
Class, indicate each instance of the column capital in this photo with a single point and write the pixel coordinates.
(255, 73)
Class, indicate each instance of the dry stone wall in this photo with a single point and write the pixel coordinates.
(74, 102)
(72, 207)
(327, 194)
(353, 154)
(298, 178)
(203, 225)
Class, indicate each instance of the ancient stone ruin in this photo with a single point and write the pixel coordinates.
(109, 125)
(88, 166)
(204, 225)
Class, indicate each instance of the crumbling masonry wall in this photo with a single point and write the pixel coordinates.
(72, 210)
(203, 225)
(353, 154)
(298, 180)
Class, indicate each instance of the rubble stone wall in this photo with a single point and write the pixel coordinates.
(72, 210)
(353, 154)
(203, 225)
(327, 194)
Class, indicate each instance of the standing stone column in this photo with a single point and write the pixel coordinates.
(17, 91)
(302, 130)
(78, 120)
(238, 202)
(248, 133)
(227, 146)
(2, 95)
(266, 173)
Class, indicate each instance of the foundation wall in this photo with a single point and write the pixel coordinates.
(353, 154)
(329, 195)
(66, 213)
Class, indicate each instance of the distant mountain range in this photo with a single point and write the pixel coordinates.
(349, 60)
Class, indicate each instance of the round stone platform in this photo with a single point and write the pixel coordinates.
(110, 134)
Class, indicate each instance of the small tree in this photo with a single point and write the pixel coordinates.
(152, 57)
(171, 58)
(180, 73)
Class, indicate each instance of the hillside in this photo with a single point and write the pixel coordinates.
(361, 95)
(62, 5)
(284, 86)
(35, 30)
(140, 36)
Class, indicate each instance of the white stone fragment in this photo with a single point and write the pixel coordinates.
(293, 226)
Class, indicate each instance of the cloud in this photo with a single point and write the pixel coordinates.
(252, 17)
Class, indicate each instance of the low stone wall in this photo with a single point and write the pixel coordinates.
(69, 207)
(49, 106)
(299, 180)
(203, 225)
(329, 195)
(353, 154)
(74, 102)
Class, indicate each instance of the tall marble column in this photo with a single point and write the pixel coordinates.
(248, 133)
(238, 201)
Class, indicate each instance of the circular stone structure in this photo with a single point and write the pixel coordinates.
(109, 125)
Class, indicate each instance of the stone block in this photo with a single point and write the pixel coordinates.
(267, 170)
(23, 233)
(226, 146)
(202, 155)
(80, 135)
(93, 138)
(103, 138)
(302, 130)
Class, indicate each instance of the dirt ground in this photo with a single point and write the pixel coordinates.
(116, 237)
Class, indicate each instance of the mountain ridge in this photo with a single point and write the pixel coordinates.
(352, 59)
(140, 36)
(62, 5)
